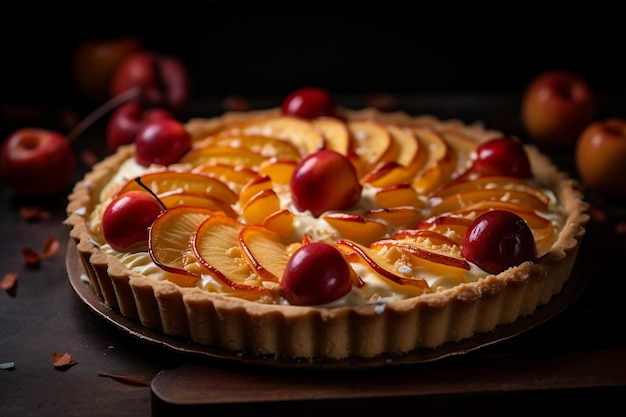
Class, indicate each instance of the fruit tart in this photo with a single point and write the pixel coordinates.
(311, 231)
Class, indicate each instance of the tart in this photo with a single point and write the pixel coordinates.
(269, 244)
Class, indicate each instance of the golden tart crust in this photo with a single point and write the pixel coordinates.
(396, 327)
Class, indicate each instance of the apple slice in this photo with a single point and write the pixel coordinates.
(167, 181)
(405, 142)
(452, 226)
(386, 264)
(336, 134)
(252, 187)
(437, 168)
(394, 216)
(216, 246)
(371, 142)
(355, 227)
(300, 132)
(462, 199)
(433, 236)
(177, 198)
(432, 253)
(260, 206)
(169, 237)
(398, 195)
(225, 155)
(265, 251)
(279, 170)
(264, 145)
(282, 222)
(234, 176)
(488, 182)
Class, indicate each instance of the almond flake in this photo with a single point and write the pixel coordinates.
(63, 360)
(9, 282)
(50, 247)
(131, 380)
(31, 257)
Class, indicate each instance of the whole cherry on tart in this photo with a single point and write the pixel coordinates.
(128, 119)
(126, 220)
(497, 240)
(308, 103)
(502, 156)
(162, 142)
(556, 106)
(37, 162)
(601, 157)
(316, 273)
(325, 180)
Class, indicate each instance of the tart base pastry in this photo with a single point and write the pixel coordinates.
(427, 320)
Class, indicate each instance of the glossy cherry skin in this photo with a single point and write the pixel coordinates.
(128, 119)
(497, 240)
(308, 103)
(126, 219)
(162, 141)
(325, 180)
(502, 156)
(316, 274)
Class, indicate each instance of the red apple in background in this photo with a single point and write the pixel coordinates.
(164, 80)
(128, 119)
(162, 142)
(37, 162)
(556, 106)
(94, 62)
(601, 156)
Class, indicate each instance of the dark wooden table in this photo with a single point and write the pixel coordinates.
(575, 362)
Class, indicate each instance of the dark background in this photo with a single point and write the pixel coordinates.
(350, 47)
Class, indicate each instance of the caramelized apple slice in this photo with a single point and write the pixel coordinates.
(279, 170)
(462, 199)
(355, 227)
(184, 198)
(451, 226)
(387, 264)
(299, 132)
(252, 187)
(431, 252)
(405, 144)
(167, 181)
(216, 246)
(335, 132)
(489, 182)
(260, 206)
(265, 251)
(282, 222)
(395, 216)
(398, 195)
(437, 168)
(261, 144)
(239, 157)
(371, 142)
(234, 176)
(169, 239)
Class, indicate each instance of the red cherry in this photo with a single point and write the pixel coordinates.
(162, 142)
(126, 219)
(309, 102)
(315, 274)
(325, 180)
(502, 156)
(497, 240)
(128, 119)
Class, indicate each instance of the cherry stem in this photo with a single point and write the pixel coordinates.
(102, 110)
(145, 187)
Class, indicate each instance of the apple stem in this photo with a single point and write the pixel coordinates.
(102, 110)
(145, 187)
